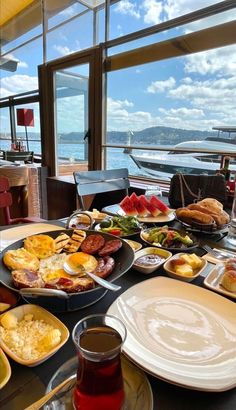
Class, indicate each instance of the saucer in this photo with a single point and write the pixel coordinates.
(138, 392)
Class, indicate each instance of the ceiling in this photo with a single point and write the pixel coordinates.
(10, 8)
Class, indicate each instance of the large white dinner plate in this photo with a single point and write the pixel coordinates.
(180, 333)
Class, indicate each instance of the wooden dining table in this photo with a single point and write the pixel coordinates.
(26, 384)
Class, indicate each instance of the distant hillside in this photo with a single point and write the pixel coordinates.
(148, 136)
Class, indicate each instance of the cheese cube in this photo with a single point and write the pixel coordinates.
(196, 261)
(184, 270)
(193, 260)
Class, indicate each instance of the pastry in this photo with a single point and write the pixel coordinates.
(212, 204)
(41, 246)
(228, 280)
(189, 216)
(20, 259)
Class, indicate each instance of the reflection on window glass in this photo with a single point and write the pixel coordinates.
(56, 16)
(172, 102)
(128, 16)
(175, 32)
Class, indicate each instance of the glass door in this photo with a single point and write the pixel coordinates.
(72, 127)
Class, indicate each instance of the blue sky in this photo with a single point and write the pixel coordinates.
(193, 92)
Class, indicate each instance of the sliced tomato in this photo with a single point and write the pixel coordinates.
(116, 232)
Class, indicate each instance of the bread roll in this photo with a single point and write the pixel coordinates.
(212, 204)
(220, 218)
(189, 216)
(228, 280)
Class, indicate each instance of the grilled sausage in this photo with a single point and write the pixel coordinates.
(110, 247)
(105, 267)
(92, 244)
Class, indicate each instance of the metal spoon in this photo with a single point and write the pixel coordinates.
(97, 279)
(68, 383)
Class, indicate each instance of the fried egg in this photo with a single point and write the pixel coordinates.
(82, 259)
(51, 268)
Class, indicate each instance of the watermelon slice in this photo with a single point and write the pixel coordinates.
(159, 204)
(154, 211)
(128, 207)
(142, 211)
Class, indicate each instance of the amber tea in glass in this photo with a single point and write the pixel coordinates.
(99, 385)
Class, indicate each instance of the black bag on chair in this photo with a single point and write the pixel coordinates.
(186, 189)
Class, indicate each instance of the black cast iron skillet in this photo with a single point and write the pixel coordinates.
(57, 300)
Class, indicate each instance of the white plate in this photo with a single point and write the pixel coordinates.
(213, 281)
(180, 333)
(162, 218)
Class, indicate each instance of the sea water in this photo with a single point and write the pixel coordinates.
(116, 158)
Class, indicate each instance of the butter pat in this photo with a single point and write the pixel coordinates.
(184, 270)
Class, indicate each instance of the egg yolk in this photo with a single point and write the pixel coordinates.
(82, 260)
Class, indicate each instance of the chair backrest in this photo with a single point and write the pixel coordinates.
(26, 156)
(94, 182)
(5, 198)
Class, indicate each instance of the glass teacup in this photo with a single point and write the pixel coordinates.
(98, 340)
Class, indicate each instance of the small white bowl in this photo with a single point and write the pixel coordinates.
(5, 367)
(38, 313)
(146, 269)
(170, 272)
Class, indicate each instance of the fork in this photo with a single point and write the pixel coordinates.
(218, 254)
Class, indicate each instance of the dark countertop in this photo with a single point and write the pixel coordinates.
(28, 384)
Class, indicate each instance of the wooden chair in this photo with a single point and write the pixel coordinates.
(6, 202)
(26, 156)
(99, 182)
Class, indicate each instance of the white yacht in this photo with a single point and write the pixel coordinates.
(171, 162)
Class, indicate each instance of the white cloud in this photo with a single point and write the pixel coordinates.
(64, 51)
(217, 96)
(16, 84)
(153, 10)
(161, 86)
(221, 61)
(183, 112)
(175, 8)
(69, 11)
(126, 7)
(22, 64)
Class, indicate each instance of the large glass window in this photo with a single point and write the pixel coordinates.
(25, 76)
(172, 103)
(71, 37)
